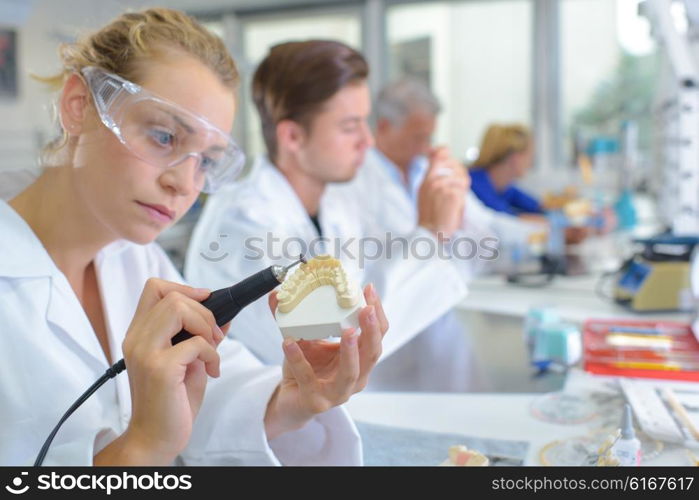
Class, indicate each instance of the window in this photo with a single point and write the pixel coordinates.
(608, 76)
(476, 57)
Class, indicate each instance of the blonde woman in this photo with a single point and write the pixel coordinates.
(146, 107)
(505, 156)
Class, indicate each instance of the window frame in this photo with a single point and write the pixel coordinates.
(546, 79)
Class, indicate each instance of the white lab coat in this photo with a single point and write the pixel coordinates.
(223, 250)
(441, 357)
(50, 355)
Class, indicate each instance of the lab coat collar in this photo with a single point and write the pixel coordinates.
(24, 256)
(387, 166)
(416, 171)
(273, 184)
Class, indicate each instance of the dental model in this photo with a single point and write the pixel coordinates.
(461, 456)
(318, 301)
(322, 270)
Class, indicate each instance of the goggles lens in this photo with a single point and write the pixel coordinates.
(163, 133)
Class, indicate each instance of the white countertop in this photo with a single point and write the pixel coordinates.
(497, 416)
(573, 296)
(506, 416)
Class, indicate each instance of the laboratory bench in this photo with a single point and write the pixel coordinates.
(493, 313)
(574, 297)
(424, 425)
(498, 413)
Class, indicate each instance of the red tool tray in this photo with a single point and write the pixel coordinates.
(677, 359)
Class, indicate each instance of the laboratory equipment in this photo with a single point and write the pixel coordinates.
(654, 416)
(550, 340)
(585, 449)
(627, 447)
(677, 118)
(658, 277)
(647, 349)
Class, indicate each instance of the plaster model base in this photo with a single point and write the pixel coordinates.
(318, 301)
(318, 316)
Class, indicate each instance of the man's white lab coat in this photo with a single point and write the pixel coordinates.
(261, 221)
(390, 200)
(441, 357)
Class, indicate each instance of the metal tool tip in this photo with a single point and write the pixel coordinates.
(302, 259)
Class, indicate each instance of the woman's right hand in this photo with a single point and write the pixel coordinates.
(167, 382)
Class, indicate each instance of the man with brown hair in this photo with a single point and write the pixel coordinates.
(314, 102)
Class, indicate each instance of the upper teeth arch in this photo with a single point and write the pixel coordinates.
(319, 271)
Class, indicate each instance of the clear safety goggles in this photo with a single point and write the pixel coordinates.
(161, 132)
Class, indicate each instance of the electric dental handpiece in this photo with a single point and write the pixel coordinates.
(225, 304)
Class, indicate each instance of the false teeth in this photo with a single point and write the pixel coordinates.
(322, 270)
(318, 301)
(459, 455)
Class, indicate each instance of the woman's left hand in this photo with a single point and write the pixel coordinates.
(319, 375)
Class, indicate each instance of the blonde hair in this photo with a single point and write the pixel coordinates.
(500, 141)
(125, 44)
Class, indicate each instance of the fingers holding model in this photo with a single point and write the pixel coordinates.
(319, 375)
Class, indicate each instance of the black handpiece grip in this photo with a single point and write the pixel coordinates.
(226, 303)
(252, 288)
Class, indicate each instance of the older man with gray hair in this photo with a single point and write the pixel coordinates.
(390, 186)
(406, 117)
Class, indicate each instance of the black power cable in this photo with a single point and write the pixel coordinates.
(112, 372)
